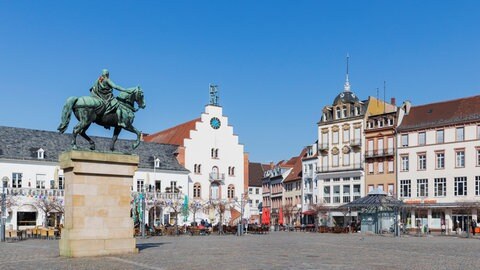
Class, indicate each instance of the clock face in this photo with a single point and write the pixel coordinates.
(215, 123)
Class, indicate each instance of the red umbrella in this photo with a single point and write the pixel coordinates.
(268, 216)
(280, 216)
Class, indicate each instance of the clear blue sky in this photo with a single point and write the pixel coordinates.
(277, 62)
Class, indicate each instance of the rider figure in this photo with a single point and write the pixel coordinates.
(103, 89)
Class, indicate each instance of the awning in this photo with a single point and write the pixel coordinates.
(308, 212)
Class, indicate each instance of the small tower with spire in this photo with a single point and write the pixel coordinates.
(214, 94)
(347, 83)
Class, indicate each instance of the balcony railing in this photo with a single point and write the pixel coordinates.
(34, 192)
(217, 177)
(308, 190)
(308, 174)
(159, 195)
(322, 146)
(356, 142)
(379, 153)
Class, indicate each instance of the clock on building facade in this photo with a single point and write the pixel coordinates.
(215, 123)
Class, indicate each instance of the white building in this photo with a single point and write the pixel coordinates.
(211, 151)
(438, 163)
(255, 175)
(341, 145)
(29, 159)
(309, 182)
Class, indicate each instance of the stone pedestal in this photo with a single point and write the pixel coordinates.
(97, 204)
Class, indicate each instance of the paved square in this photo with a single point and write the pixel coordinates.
(280, 250)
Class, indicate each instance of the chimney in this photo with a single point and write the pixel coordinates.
(392, 101)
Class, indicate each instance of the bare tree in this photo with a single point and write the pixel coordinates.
(288, 211)
(193, 207)
(48, 206)
(318, 209)
(219, 207)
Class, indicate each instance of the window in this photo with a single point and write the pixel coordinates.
(197, 188)
(231, 171)
(421, 138)
(405, 188)
(41, 181)
(422, 187)
(370, 168)
(336, 179)
(335, 160)
(173, 186)
(404, 140)
(231, 192)
(390, 166)
(478, 132)
(356, 191)
(440, 136)
(440, 187)
(404, 164)
(380, 187)
(158, 185)
(156, 163)
(460, 187)
(478, 157)
(326, 194)
(344, 111)
(346, 159)
(17, 180)
(338, 112)
(257, 191)
(460, 132)
(140, 185)
(380, 166)
(214, 152)
(336, 194)
(346, 193)
(346, 135)
(357, 110)
(370, 188)
(460, 158)
(391, 188)
(61, 182)
(422, 162)
(440, 160)
(335, 137)
(380, 145)
(250, 190)
(40, 153)
(197, 168)
(477, 185)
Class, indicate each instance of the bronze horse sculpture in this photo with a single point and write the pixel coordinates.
(88, 110)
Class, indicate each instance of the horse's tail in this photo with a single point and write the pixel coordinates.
(66, 113)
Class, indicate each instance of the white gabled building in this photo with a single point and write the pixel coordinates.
(438, 163)
(218, 165)
(29, 160)
(309, 181)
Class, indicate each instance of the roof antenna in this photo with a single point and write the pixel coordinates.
(347, 83)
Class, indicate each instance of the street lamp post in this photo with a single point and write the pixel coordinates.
(4, 210)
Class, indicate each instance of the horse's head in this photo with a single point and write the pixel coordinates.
(139, 98)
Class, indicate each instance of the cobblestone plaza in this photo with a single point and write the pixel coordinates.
(278, 250)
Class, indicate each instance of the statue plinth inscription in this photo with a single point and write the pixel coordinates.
(97, 204)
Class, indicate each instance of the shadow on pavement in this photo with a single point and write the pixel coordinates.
(149, 245)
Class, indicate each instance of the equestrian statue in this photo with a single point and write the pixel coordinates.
(102, 108)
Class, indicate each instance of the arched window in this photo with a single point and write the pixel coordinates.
(197, 190)
(232, 171)
(212, 153)
(199, 168)
(214, 191)
(231, 191)
(216, 153)
(195, 168)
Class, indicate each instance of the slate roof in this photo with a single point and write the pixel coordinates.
(23, 144)
(175, 135)
(255, 174)
(443, 113)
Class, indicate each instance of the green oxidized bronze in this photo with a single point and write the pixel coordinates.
(103, 109)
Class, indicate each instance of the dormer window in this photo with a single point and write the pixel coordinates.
(344, 111)
(338, 113)
(357, 110)
(156, 163)
(40, 153)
